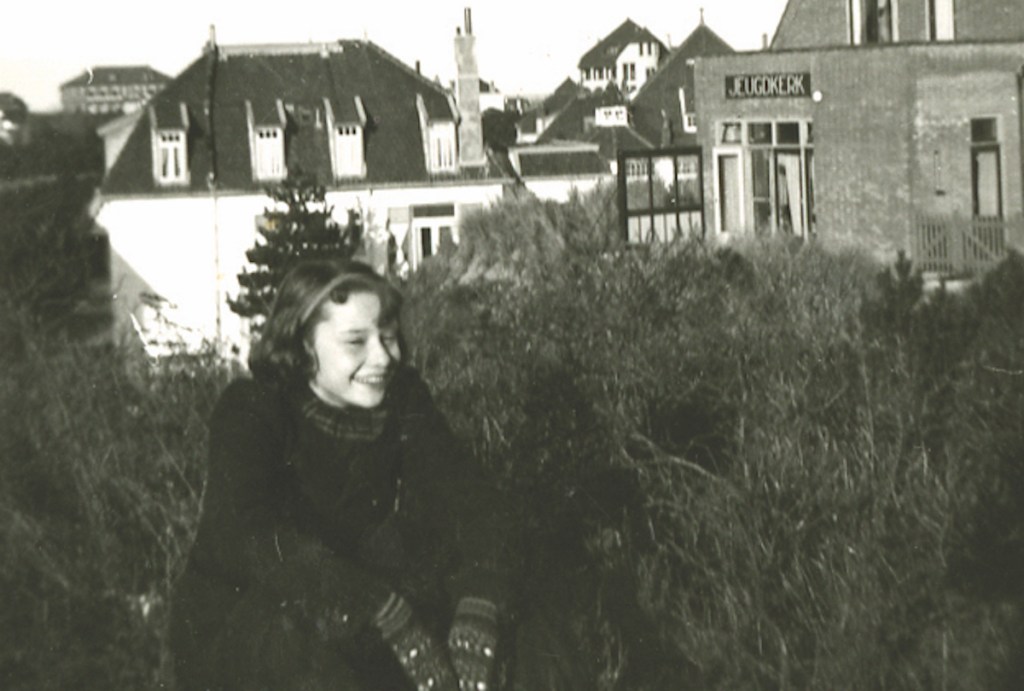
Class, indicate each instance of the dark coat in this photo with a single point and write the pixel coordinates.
(313, 516)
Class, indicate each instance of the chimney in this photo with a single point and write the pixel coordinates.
(211, 42)
(764, 41)
(467, 97)
(417, 67)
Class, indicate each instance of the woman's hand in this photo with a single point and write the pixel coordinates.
(473, 641)
(424, 659)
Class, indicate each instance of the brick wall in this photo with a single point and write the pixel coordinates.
(824, 23)
(883, 113)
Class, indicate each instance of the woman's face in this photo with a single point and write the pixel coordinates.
(355, 355)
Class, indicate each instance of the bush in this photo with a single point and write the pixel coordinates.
(100, 482)
(758, 467)
(743, 458)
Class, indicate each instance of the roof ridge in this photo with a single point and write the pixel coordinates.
(308, 48)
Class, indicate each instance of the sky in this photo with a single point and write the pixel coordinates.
(523, 46)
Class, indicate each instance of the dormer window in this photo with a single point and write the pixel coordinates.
(689, 118)
(169, 136)
(348, 156)
(171, 168)
(346, 128)
(439, 140)
(441, 136)
(267, 140)
(611, 116)
(269, 154)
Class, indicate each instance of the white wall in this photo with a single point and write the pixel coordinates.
(189, 250)
(559, 189)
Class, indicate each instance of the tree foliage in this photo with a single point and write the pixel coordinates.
(297, 226)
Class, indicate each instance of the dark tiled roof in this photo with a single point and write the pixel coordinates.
(570, 122)
(562, 96)
(660, 93)
(607, 50)
(554, 161)
(611, 140)
(301, 77)
(124, 74)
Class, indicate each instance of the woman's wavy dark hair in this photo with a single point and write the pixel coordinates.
(281, 356)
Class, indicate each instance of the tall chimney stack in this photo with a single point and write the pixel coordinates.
(467, 96)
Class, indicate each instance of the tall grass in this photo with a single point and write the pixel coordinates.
(767, 466)
(101, 473)
(751, 461)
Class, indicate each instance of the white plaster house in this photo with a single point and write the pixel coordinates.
(627, 57)
(181, 202)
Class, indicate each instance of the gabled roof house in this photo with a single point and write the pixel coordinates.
(664, 110)
(628, 57)
(182, 199)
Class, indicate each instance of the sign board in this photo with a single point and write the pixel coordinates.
(768, 85)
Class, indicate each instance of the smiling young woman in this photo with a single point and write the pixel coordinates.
(346, 539)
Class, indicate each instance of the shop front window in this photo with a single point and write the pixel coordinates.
(778, 157)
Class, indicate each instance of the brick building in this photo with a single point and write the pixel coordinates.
(894, 124)
(118, 89)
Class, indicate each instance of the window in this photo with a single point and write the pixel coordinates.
(431, 230)
(986, 173)
(779, 160)
(732, 133)
(872, 21)
(268, 154)
(689, 118)
(348, 151)
(628, 71)
(171, 163)
(441, 147)
(940, 20)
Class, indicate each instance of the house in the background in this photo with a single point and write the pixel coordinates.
(627, 57)
(111, 89)
(534, 121)
(894, 124)
(182, 200)
(664, 111)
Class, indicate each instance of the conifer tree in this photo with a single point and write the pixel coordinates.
(297, 226)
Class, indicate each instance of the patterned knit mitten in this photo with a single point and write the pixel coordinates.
(424, 659)
(472, 641)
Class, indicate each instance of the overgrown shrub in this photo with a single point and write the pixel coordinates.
(101, 472)
(744, 458)
(764, 466)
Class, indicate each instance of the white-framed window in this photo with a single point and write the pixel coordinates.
(349, 158)
(764, 177)
(629, 71)
(268, 154)
(431, 228)
(941, 20)
(689, 117)
(171, 162)
(873, 21)
(441, 147)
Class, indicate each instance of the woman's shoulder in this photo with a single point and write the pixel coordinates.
(246, 396)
